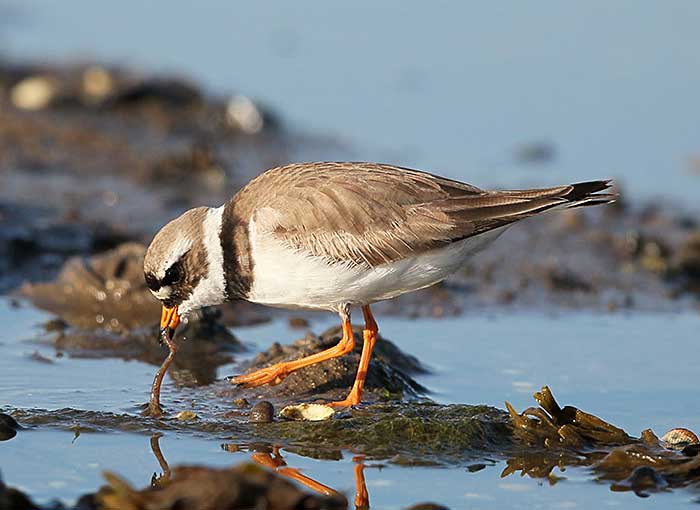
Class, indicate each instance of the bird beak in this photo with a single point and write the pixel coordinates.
(169, 320)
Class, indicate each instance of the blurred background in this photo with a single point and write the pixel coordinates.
(503, 95)
(117, 116)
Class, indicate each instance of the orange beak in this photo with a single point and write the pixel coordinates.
(169, 320)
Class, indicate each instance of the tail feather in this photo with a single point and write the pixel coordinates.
(500, 208)
(588, 191)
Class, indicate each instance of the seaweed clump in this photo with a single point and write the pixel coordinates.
(415, 433)
(560, 437)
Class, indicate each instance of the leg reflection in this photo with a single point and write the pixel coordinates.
(274, 460)
(361, 494)
(157, 480)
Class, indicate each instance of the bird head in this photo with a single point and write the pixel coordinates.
(179, 268)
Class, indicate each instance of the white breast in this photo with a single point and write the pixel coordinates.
(289, 278)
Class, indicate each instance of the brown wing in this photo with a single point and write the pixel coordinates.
(368, 213)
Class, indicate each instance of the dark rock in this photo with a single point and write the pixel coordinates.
(388, 377)
(298, 322)
(642, 480)
(173, 93)
(204, 344)
(107, 291)
(13, 499)
(687, 259)
(8, 427)
(564, 280)
(262, 412)
(200, 488)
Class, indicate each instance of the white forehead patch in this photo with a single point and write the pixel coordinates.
(179, 248)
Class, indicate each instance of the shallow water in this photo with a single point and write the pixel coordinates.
(617, 366)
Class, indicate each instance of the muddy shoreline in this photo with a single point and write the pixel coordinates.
(95, 156)
(533, 442)
(94, 159)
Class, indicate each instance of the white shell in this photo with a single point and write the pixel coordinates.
(307, 412)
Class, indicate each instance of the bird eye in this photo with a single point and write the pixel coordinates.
(172, 275)
(152, 281)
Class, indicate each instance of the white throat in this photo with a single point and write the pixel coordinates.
(211, 290)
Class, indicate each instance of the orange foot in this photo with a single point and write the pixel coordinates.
(351, 400)
(274, 374)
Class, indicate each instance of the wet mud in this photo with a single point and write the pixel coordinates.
(106, 310)
(533, 442)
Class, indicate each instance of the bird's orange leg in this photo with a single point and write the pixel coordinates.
(276, 373)
(369, 335)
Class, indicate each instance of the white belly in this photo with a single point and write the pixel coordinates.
(287, 278)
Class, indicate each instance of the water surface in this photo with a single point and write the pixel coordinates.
(617, 366)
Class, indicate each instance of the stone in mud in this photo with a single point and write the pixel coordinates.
(109, 312)
(204, 344)
(200, 488)
(388, 377)
(262, 412)
(641, 481)
(186, 416)
(8, 427)
(107, 291)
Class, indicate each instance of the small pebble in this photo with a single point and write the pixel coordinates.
(186, 416)
(298, 323)
(262, 412)
(34, 93)
(242, 113)
(241, 402)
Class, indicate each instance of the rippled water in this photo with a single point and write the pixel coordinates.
(617, 366)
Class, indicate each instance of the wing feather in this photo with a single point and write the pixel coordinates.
(370, 214)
